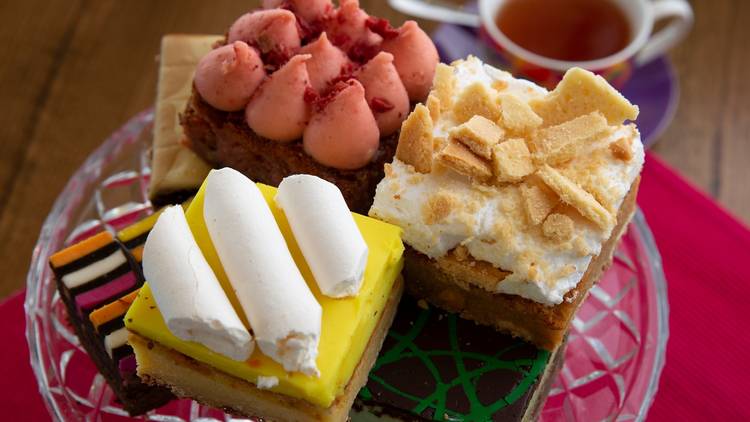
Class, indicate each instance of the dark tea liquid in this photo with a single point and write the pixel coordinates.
(571, 30)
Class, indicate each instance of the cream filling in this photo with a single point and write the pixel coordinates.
(115, 339)
(92, 271)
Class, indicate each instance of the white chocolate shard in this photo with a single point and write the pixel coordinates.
(325, 232)
(189, 296)
(282, 310)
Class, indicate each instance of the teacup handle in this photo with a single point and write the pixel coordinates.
(437, 11)
(659, 42)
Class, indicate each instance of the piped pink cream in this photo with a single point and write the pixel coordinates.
(278, 110)
(384, 92)
(348, 30)
(309, 10)
(326, 63)
(228, 76)
(344, 133)
(272, 31)
(415, 58)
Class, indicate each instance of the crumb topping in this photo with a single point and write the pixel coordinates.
(415, 142)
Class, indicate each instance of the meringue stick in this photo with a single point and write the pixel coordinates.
(187, 292)
(326, 233)
(282, 310)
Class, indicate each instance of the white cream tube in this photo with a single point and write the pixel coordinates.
(189, 296)
(283, 313)
(325, 232)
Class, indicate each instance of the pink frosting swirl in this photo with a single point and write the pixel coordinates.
(326, 62)
(309, 10)
(349, 30)
(227, 76)
(278, 110)
(384, 92)
(415, 58)
(273, 30)
(344, 133)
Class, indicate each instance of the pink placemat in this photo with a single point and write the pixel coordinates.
(704, 251)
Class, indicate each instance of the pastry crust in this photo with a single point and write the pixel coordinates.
(186, 377)
(463, 285)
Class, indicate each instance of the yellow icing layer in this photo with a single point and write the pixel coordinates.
(347, 323)
(131, 232)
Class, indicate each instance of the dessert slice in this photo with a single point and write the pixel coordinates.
(97, 279)
(512, 199)
(313, 350)
(176, 172)
(436, 366)
(307, 88)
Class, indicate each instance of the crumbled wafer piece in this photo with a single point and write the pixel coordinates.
(558, 227)
(538, 201)
(479, 134)
(621, 149)
(415, 142)
(438, 143)
(558, 144)
(517, 116)
(460, 158)
(433, 105)
(438, 207)
(476, 100)
(444, 85)
(511, 160)
(574, 195)
(581, 92)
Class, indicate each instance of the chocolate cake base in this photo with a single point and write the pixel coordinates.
(437, 366)
(224, 140)
(451, 284)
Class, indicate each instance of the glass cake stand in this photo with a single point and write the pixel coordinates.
(613, 361)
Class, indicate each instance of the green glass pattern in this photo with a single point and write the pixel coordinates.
(405, 346)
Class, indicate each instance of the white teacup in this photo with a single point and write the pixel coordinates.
(644, 46)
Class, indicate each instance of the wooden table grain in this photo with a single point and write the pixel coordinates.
(75, 70)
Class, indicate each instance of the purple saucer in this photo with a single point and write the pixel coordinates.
(653, 87)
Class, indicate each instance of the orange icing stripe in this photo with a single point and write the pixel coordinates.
(112, 310)
(80, 249)
(137, 253)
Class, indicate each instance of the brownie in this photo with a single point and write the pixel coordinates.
(223, 139)
(437, 366)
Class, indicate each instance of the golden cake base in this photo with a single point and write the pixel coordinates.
(189, 378)
(455, 285)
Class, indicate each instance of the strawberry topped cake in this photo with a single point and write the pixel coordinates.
(306, 87)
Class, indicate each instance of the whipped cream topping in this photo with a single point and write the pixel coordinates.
(443, 210)
(189, 296)
(281, 309)
(325, 232)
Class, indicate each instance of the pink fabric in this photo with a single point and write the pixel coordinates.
(706, 254)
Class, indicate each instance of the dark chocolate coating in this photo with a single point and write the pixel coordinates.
(436, 366)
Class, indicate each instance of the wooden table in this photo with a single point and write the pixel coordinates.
(73, 71)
